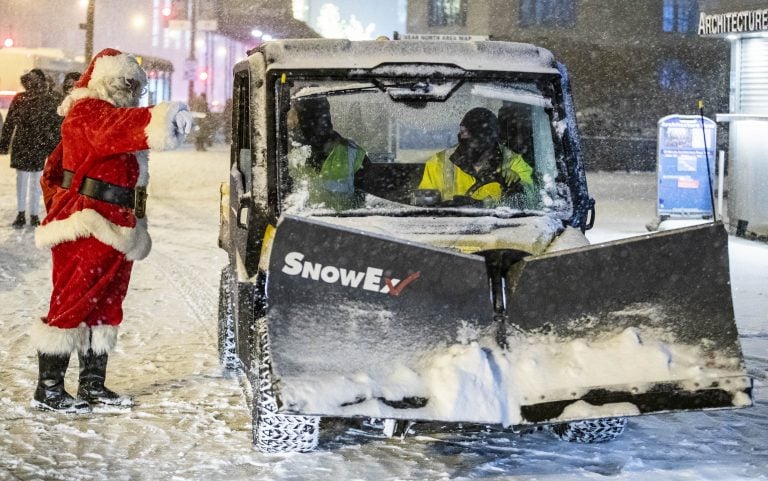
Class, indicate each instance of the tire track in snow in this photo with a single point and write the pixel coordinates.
(200, 298)
(757, 367)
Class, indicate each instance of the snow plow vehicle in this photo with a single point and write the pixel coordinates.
(374, 294)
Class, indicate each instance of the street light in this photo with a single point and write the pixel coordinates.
(138, 21)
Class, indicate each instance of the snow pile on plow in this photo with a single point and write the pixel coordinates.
(480, 382)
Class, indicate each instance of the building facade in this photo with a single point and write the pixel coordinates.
(632, 62)
(743, 25)
(181, 60)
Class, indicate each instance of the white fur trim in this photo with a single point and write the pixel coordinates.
(142, 157)
(102, 340)
(95, 90)
(78, 94)
(116, 66)
(161, 131)
(54, 340)
(135, 243)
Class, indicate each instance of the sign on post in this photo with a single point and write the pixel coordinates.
(190, 69)
(685, 144)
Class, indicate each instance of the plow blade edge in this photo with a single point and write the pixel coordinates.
(657, 307)
(363, 324)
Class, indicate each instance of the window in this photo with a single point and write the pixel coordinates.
(547, 13)
(400, 133)
(444, 13)
(680, 16)
(242, 123)
(673, 75)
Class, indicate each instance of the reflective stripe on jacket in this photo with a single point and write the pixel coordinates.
(337, 173)
(334, 185)
(443, 175)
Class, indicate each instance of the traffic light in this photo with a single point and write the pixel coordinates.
(179, 10)
(203, 75)
(173, 13)
(8, 42)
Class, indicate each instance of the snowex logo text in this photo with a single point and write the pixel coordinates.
(370, 279)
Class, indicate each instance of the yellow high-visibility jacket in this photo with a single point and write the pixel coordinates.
(443, 175)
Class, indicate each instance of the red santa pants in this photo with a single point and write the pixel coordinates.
(90, 280)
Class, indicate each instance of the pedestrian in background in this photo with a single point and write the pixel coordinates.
(226, 116)
(199, 104)
(31, 131)
(69, 82)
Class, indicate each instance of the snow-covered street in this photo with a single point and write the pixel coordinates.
(191, 420)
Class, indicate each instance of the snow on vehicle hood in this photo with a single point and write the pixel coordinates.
(532, 234)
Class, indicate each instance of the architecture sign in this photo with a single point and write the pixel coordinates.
(733, 22)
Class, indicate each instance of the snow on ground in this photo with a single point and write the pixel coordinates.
(191, 421)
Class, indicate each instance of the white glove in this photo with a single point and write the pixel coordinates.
(183, 122)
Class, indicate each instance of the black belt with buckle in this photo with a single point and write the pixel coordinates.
(135, 199)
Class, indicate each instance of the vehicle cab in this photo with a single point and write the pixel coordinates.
(400, 102)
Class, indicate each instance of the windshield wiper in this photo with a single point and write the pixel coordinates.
(315, 92)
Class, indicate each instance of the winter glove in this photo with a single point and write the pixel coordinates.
(183, 122)
(509, 175)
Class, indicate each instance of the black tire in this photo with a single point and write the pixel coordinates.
(227, 346)
(272, 432)
(590, 431)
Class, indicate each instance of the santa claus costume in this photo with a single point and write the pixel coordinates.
(95, 224)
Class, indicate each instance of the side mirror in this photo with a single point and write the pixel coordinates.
(590, 222)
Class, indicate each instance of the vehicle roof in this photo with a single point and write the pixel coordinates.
(346, 54)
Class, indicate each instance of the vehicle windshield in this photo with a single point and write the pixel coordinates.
(473, 146)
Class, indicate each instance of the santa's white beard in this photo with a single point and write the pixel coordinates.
(116, 93)
(122, 97)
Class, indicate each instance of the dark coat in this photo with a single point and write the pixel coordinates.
(32, 129)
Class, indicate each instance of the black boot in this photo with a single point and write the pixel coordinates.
(19, 222)
(50, 394)
(93, 371)
(34, 220)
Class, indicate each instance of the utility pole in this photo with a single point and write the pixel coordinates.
(192, 59)
(88, 27)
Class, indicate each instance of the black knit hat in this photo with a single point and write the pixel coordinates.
(482, 124)
(313, 106)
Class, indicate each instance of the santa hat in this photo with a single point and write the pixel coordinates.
(111, 63)
(107, 64)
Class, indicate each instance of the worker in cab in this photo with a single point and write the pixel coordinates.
(478, 170)
(335, 167)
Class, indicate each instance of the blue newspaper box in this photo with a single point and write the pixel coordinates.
(683, 177)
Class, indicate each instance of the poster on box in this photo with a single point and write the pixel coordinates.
(686, 143)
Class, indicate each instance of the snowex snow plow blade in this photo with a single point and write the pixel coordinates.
(362, 324)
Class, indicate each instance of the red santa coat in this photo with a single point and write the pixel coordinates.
(110, 144)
